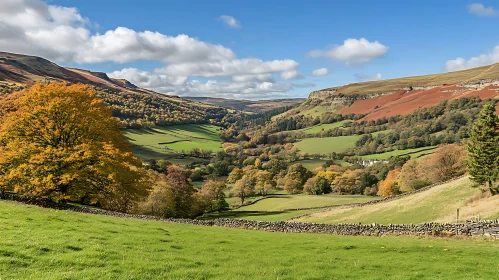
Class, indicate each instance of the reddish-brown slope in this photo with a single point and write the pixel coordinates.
(405, 102)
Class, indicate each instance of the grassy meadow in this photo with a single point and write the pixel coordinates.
(42, 243)
(437, 204)
(318, 128)
(285, 202)
(326, 145)
(161, 142)
(277, 207)
(414, 153)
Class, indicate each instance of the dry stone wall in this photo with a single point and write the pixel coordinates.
(469, 228)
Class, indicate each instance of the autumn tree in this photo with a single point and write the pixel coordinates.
(348, 182)
(299, 173)
(390, 185)
(173, 197)
(328, 175)
(448, 161)
(264, 183)
(293, 186)
(317, 185)
(483, 148)
(414, 175)
(63, 143)
(235, 175)
(275, 166)
(244, 187)
(214, 193)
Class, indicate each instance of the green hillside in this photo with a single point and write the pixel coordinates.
(437, 204)
(42, 243)
(161, 142)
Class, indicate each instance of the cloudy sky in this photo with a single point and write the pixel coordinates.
(253, 49)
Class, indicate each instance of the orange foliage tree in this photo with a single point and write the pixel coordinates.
(390, 185)
(63, 143)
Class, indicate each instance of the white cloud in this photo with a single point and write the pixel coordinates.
(230, 21)
(366, 78)
(157, 82)
(480, 10)
(320, 72)
(62, 34)
(230, 67)
(352, 51)
(125, 45)
(253, 78)
(481, 60)
(254, 90)
(291, 75)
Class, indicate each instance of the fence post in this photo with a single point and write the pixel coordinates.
(457, 216)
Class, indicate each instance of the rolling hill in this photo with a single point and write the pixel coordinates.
(136, 107)
(401, 96)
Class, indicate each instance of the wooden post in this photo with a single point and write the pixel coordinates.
(457, 216)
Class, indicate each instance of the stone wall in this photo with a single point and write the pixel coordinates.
(469, 228)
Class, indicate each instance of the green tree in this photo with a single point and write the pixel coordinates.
(483, 148)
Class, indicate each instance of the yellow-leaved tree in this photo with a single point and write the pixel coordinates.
(62, 143)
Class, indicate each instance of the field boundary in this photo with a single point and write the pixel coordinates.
(468, 229)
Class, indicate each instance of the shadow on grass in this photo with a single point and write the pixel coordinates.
(239, 214)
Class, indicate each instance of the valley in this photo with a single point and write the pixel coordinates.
(249, 140)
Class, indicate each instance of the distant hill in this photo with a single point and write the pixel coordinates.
(257, 106)
(136, 107)
(401, 96)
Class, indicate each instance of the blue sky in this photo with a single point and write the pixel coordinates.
(271, 49)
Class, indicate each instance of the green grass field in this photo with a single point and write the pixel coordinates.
(414, 153)
(285, 202)
(161, 142)
(276, 207)
(326, 145)
(437, 204)
(320, 127)
(42, 243)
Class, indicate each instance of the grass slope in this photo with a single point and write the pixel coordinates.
(327, 144)
(414, 153)
(437, 204)
(285, 202)
(42, 243)
(320, 127)
(161, 142)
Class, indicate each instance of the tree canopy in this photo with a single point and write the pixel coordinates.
(63, 143)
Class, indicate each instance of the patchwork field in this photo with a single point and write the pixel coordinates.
(42, 243)
(439, 204)
(161, 142)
